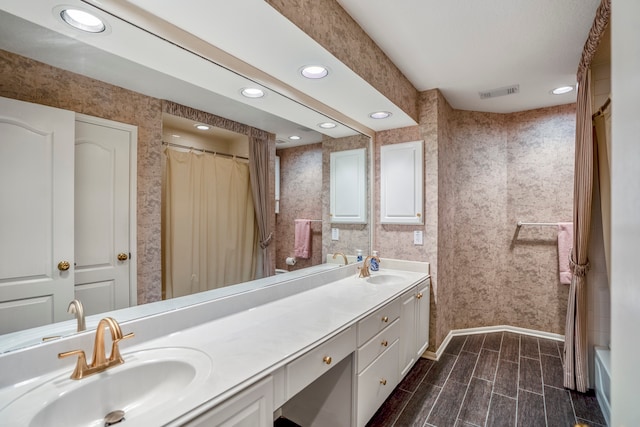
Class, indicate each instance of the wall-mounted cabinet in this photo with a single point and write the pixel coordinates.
(401, 183)
(348, 187)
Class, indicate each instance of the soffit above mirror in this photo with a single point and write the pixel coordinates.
(131, 58)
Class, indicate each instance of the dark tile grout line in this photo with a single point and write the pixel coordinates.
(544, 397)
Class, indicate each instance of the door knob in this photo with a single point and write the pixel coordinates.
(63, 265)
(122, 256)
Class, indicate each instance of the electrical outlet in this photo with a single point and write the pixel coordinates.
(335, 234)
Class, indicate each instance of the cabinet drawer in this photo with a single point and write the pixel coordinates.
(377, 321)
(305, 369)
(376, 382)
(378, 344)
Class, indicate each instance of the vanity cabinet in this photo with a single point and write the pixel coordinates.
(414, 325)
(377, 359)
(252, 407)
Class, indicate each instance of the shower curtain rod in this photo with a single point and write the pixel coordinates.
(186, 147)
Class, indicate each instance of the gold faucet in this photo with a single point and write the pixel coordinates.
(343, 256)
(100, 361)
(364, 270)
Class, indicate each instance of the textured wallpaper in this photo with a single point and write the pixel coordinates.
(483, 173)
(300, 198)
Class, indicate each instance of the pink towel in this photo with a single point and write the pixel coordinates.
(565, 244)
(302, 241)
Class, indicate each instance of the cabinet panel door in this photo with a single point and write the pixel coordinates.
(422, 324)
(348, 186)
(250, 408)
(407, 331)
(401, 183)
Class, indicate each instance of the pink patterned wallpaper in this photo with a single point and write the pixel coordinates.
(483, 173)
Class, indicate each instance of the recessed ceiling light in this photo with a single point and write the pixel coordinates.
(314, 71)
(279, 141)
(252, 92)
(83, 20)
(327, 125)
(202, 127)
(562, 90)
(294, 137)
(380, 115)
(175, 136)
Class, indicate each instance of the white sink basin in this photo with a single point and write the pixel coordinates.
(385, 279)
(148, 380)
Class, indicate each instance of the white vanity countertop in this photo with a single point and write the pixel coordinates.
(246, 346)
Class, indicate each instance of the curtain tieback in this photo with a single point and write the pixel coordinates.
(579, 269)
(266, 242)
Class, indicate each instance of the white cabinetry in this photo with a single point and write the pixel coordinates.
(250, 408)
(414, 325)
(377, 355)
(348, 186)
(401, 183)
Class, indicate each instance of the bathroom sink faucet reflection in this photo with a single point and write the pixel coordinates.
(100, 361)
(76, 308)
(343, 256)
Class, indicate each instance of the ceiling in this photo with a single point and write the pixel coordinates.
(465, 47)
(460, 47)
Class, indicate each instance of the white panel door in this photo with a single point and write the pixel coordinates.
(36, 214)
(102, 214)
(408, 318)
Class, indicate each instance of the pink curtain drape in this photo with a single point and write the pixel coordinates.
(576, 373)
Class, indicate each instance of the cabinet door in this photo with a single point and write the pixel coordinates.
(250, 408)
(407, 331)
(348, 186)
(422, 318)
(401, 183)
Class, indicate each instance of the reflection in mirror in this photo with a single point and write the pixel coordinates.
(33, 64)
(304, 195)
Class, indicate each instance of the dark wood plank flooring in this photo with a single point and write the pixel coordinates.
(494, 379)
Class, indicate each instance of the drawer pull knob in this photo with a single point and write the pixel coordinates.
(385, 319)
(384, 343)
(327, 360)
(383, 381)
(419, 295)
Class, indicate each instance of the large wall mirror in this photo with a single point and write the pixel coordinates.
(117, 81)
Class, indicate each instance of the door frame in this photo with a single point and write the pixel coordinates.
(133, 196)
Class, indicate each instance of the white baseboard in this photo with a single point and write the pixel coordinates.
(488, 329)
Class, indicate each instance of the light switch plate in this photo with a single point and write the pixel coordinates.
(335, 234)
(417, 237)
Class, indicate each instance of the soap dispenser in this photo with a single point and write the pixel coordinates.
(359, 255)
(373, 264)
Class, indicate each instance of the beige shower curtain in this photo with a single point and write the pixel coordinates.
(602, 125)
(210, 234)
(576, 375)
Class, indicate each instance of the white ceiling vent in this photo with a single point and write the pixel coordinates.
(502, 91)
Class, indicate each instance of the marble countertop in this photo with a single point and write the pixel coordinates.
(248, 345)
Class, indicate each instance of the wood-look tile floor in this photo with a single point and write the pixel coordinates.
(494, 379)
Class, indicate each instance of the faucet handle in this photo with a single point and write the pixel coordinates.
(81, 364)
(115, 349)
